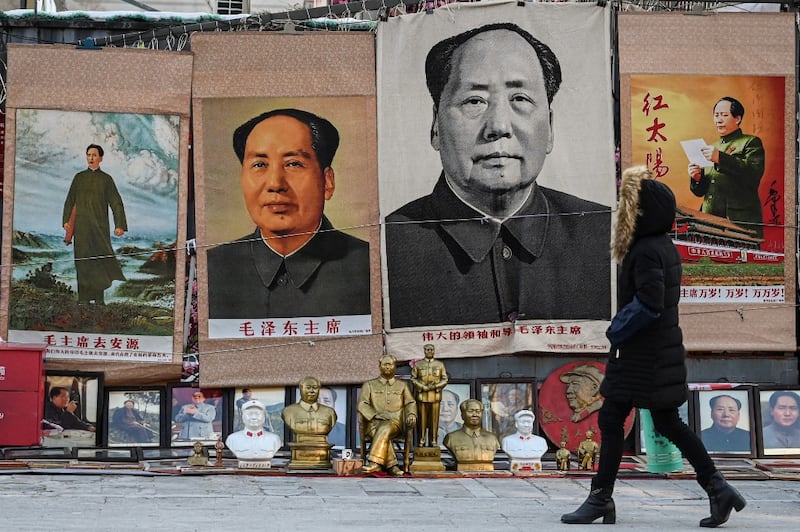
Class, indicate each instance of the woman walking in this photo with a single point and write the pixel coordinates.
(647, 364)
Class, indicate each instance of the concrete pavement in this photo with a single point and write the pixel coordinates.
(134, 501)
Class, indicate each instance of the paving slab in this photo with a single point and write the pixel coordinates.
(85, 502)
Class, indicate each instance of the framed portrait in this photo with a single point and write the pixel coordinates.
(134, 417)
(779, 422)
(725, 421)
(117, 454)
(72, 409)
(502, 398)
(197, 414)
(274, 399)
(685, 413)
(456, 392)
(335, 397)
(355, 424)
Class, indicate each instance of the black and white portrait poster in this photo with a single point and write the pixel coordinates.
(496, 178)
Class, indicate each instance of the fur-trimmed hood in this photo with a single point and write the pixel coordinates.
(646, 207)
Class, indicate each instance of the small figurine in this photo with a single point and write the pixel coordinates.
(562, 457)
(199, 457)
(588, 450)
(219, 446)
(523, 447)
(471, 446)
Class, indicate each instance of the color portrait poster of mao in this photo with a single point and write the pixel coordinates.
(95, 212)
(283, 216)
(718, 142)
(496, 178)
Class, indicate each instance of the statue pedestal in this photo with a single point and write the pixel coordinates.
(427, 459)
(474, 466)
(310, 453)
(523, 464)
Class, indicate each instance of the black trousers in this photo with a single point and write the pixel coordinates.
(668, 423)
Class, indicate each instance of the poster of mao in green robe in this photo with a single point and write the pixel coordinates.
(94, 230)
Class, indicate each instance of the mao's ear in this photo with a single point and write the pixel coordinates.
(435, 130)
(550, 135)
(330, 182)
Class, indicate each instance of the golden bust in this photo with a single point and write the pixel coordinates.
(471, 446)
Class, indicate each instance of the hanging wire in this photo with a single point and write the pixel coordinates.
(3, 92)
(170, 40)
(183, 40)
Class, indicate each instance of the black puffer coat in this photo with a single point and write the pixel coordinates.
(649, 369)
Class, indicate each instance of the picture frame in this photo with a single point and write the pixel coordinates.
(274, 399)
(728, 427)
(64, 425)
(686, 413)
(336, 397)
(116, 454)
(455, 393)
(134, 417)
(353, 417)
(778, 422)
(202, 423)
(502, 398)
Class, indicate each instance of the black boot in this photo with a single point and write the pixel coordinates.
(722, 497)
(598, 504)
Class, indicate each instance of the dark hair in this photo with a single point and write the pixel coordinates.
(439, 62)
(333, 392)
(55, 391)
(737, 109)
(713, 401)
(458, 398)
(773, 399)
(97, 146)
(324, 135)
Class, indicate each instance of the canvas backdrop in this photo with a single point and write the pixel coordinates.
(118, 98)
(581, 162)
(239, 76)
(752, 59)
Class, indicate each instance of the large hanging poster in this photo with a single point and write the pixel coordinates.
(496, 171)
(95, 208)
(94, 233)
(715, 130)
(717, 142)
(287, 234)
(271, 272)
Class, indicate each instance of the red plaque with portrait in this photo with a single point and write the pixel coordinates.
(569, 400)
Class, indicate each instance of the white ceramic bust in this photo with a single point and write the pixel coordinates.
(253, 444)
(523, 447)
